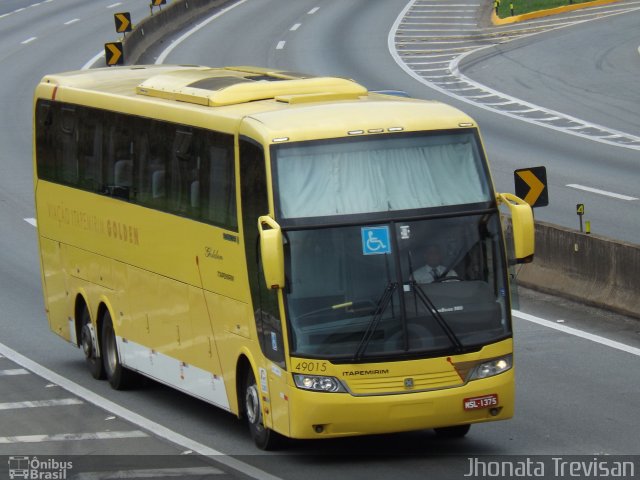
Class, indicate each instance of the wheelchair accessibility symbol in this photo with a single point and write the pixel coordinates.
(375, 240)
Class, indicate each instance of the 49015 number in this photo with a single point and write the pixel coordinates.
(311, 367)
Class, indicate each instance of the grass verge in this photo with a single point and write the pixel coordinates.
(508, 8)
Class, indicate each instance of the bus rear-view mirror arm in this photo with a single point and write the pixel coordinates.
(272, 252)
(522, 224)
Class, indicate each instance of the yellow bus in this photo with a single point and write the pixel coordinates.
(259, 239)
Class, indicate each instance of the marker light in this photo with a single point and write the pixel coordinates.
(492, 367)
(318, 383)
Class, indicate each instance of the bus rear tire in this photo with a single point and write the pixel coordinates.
(457, 431)
(119, 377)
(88, 344)
(264, 438)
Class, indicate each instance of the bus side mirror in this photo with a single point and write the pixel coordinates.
(522, 224)
(272, 252)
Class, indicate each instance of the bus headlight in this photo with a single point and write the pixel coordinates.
(318, 383)
(492, 367)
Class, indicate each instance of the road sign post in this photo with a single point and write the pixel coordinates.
(157, 3)
(123, 22)
(113, 53)
(531, 186)
(580, 213)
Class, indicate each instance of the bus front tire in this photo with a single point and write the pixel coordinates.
(119, 377)
(88, 344)
(264, 438)
(457, 431)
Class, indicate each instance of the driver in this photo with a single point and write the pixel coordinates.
(434, 269)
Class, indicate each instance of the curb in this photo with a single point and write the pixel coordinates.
(497, 21)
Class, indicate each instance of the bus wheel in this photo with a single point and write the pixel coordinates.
(264, 438)
(88, 342)
(119, 377)
(457, 431)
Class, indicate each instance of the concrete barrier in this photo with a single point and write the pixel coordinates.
(163, 23)
(591, 269)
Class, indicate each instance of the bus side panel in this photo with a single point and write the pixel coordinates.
(55, 287)
(200, 349)
(230, 320)
(279, 399)
(159, 311)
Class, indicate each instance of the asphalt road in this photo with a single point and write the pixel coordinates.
(575, 396)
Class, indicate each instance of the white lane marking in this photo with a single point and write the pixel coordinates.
(165, 53)
(72, 21)
(65, 437)
(295, 27)
(93, 60)
(431, 17)
(447, 24)
(441, 11)
(126, 414)
(31, 221)
(19, 10)
(601, 192)
(415, 9)
(156, 473)
(40, 403)
(114, 5)
(13, 371)
(455, 72)
(28, 40)
(578, 333)
(280, 45)
(313, 10)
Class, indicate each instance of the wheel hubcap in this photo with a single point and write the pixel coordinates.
(252, 404)
(111, 354)
(87, 342)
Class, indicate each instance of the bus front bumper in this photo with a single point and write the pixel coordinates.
(318, 415)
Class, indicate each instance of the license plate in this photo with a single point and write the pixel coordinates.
(486, 401)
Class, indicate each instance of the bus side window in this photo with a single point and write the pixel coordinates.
(45, 132)
(67, 153)
(221, 202)
(118, 165)
(90, 128)
(178, 180)
(253, 180)
(151, 163)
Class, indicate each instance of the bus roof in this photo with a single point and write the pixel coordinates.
(283, 103)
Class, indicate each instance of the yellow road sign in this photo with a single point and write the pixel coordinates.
(157, 3)
(113, 53)
(531, 186)
(123, 22)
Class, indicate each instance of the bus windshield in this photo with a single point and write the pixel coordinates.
(417, 288)
(379, 173)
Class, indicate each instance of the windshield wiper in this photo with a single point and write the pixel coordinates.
(383, 303)
(424, 298)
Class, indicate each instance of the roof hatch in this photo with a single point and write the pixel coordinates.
(233, 85)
